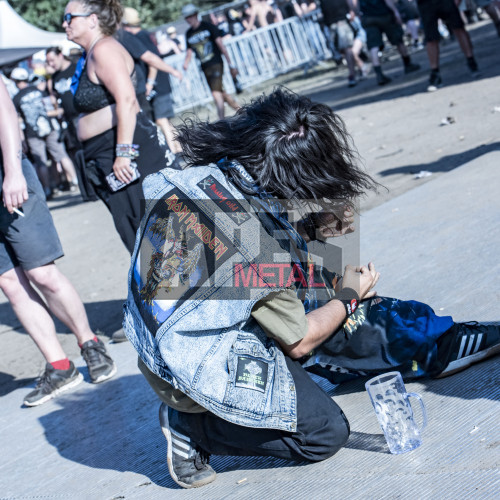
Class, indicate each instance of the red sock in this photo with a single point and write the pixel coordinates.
(95, 339)
(62, 364)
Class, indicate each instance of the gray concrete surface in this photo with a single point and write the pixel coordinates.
(434, 239)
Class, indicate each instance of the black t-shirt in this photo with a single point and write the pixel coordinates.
(61, 82)
(135, 48)
(334, 10)
(29, 104)
(374, 8)
(202, 41)
(162, 79)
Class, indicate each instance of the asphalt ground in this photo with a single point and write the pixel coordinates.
(440, 230)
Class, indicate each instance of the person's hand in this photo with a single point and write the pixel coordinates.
(362, 279)
(234, 72)
(185, 67)
(149, 88)
(122, 170)
(178, 75)
(14, 191)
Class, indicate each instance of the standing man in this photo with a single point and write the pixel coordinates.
(205, 40)
(40, 135)
(379, 17)
(446, 10)
(335, 14)
(147, 64)
(158, 87)
(29, 244)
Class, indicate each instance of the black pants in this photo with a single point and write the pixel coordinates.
(322, 428)
(126, 205)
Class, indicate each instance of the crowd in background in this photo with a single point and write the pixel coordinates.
(45, 104)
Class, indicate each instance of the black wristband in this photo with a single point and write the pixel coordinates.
(350, 298)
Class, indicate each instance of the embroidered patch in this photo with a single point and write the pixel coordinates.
(251, 374)
(217, 192)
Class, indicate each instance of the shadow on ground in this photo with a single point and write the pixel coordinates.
(128, 437)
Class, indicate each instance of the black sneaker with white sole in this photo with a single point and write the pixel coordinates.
(471, 343)
(99, 362)
(52, 383)
(187, 465)
(435, 82)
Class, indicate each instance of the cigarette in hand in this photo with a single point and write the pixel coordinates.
(18, 212)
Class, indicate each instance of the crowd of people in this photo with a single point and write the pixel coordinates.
(230, 364)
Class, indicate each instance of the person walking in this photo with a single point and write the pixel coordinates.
(29, 245)
(158, 85)
(431, 11)
(379, 17)
(205, 41)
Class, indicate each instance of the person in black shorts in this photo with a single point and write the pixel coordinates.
(379, 17)
(205, 40)
(29, 245)
(447, 11)
(158, 85)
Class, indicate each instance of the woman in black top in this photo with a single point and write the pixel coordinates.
(115, 134)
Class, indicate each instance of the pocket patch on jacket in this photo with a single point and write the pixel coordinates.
(251, 374)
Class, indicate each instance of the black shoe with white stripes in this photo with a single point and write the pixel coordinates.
(188, 466)
(472, 343)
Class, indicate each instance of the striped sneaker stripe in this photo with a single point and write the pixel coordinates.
(478, 343)
(462, 345)
(180, 443)
(179, 452)
(469, 345)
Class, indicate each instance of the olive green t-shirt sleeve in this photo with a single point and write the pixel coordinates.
(282, 316)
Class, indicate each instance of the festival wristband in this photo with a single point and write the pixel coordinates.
(127, 150)
(350, 298)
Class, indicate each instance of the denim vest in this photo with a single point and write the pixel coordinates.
(201, 261)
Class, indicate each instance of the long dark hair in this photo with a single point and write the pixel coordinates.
(296, 149)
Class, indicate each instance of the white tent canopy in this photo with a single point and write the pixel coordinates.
(19, 39)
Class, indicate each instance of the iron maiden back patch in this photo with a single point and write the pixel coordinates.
(251, 374)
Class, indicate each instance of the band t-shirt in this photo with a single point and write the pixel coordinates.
(334, 11)
(202, 41)
(374, 8)
(61, 85)
(29, 104)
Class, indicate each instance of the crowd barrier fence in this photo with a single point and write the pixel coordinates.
(259, 55)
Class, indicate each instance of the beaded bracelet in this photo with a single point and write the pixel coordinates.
(127, 150)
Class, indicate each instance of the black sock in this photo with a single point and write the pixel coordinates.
(406, 60)
(435, 71)
(378, 70)
(471, 62)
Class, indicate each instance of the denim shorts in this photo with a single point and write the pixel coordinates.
(163, 106)
(30, 241)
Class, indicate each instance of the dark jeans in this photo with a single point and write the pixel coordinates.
(322, 428)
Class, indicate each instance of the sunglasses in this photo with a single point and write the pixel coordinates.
(69, 17)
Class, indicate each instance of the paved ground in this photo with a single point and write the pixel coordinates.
(435, 239)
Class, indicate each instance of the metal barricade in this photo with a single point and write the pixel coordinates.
(259, 55)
